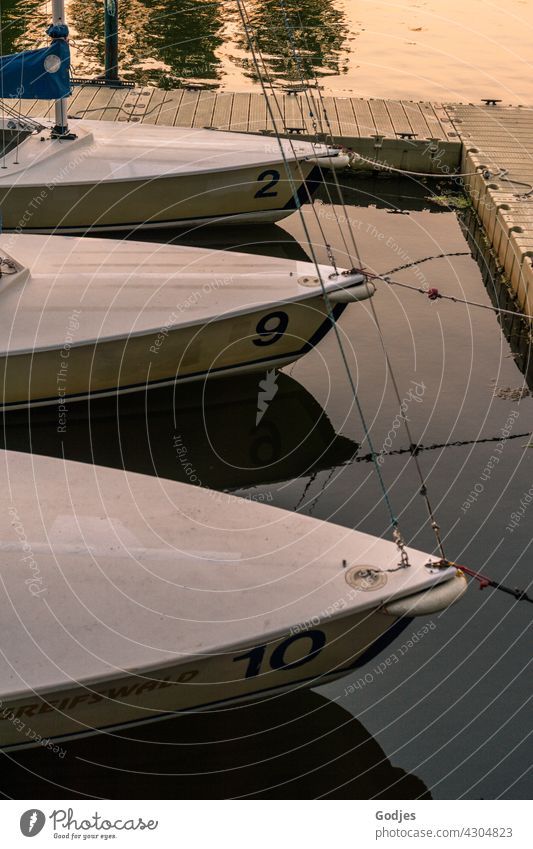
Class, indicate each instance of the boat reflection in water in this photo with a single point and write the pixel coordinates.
(194, 435)
(294, 745)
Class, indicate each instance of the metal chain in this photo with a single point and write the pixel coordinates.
(427, 259)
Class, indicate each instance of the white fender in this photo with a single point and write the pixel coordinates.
(348, 293)
(334, 160)
(430, 601)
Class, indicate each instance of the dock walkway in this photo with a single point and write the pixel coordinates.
(492, 143)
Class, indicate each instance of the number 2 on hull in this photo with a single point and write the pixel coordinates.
(265, 191)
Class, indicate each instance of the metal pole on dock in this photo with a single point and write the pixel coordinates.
(111, 40)
(61, 127)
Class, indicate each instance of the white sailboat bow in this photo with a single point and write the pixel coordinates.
(84, 318)
(126, 599)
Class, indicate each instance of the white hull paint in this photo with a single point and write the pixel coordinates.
(127, 599)
(118, 176)
(94, 318)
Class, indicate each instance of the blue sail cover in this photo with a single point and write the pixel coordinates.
(42, 74)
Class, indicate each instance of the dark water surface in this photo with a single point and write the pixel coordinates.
(450, 716)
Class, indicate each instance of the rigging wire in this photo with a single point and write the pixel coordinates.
(393, 519)
(311, 109)
(251, 40)
(403, 417)
(2, 86)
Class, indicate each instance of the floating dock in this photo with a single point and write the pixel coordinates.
(492, 144)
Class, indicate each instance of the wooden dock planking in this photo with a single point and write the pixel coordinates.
(313, 123)
(204, 109)
(435, 124)
(347, 120)
(240, 112)
(417, 121)
(398, 117)
(332, 124)
(258, 113)
(294, 111)
(99, 111)
(381, 117)
(154, 106)
(222, 110)
(187, 109)
(363, 116)
(169, 108)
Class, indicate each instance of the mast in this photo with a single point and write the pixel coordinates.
(111, 40)
(61, 127)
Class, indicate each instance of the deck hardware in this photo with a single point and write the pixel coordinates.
(406, 135)
(490, 101)
(295, 130)
(294, 90)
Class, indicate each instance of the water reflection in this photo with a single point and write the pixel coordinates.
(516, 330)
(265, 240)
(193, 435)
(297, 40)
(23, 24)
(161, 43)
(170, 44)
(297, 746)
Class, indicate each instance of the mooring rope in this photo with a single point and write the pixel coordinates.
(485, 581)
(427, 259)
(434, 295)
(440, 176)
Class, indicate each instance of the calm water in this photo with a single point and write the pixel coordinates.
(451, 719)
(416, 49)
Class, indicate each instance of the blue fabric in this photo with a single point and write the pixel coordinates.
(57, 31)
(25, 75)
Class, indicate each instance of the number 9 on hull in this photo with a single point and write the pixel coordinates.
(84, 319)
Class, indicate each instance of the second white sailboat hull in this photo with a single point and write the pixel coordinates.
(118, 177)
